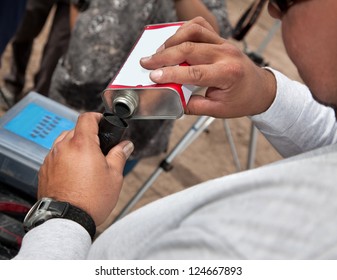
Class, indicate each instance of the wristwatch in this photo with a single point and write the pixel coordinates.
(47, 208)
(81, 5)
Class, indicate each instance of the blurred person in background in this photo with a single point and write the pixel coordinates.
(33, 21)
(10, 16)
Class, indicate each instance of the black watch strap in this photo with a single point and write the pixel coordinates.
(47, 208)
(81, 217)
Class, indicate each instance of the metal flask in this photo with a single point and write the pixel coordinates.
(131, 93)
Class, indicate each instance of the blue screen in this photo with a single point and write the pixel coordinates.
(38, 125)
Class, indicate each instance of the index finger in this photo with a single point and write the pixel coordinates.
(198, 20)
(87, 124)
(194, 32)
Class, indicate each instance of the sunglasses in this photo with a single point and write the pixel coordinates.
(282, 5)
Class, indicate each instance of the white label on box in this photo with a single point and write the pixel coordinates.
(132, 73)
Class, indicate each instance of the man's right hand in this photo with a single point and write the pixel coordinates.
(236, 86)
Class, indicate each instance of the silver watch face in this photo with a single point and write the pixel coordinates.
(43, 210)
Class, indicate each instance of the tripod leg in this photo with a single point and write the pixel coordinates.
(232, 145)
(198, 127)
(252, 146)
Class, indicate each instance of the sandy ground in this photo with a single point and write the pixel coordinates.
(209, 156)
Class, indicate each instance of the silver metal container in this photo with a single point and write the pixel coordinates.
(131, 93)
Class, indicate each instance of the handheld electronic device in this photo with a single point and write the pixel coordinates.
(27, 132)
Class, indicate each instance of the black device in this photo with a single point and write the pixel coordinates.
(111, 131)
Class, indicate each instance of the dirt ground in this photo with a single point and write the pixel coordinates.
(209, 156)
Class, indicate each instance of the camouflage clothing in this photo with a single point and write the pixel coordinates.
(100, 43)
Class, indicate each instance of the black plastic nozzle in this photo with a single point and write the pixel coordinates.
(111, 131)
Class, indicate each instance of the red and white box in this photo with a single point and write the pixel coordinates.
(132, 94)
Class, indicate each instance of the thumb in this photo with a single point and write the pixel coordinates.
(118, 155)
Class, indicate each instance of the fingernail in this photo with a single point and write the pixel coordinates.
(128, 149)
(146, 58)
(156, 74)
(161, 48)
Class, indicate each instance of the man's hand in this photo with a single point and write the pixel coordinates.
(236, 86)
(76, 171)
